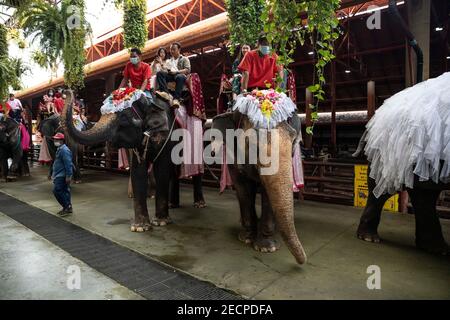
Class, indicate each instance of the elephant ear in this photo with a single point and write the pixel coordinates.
(223, 122)
(296, 124)
(157, 119)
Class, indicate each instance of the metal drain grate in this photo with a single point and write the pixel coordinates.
(141, 274)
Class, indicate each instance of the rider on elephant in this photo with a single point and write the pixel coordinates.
(259, 67)
(138, 73)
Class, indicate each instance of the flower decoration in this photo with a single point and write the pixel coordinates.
(267, 100)
(122, 94)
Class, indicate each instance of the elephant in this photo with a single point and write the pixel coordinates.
(276, 189)
(10, 148)
(49, 127)
(423, 197)
(125, 129)
(407, 145)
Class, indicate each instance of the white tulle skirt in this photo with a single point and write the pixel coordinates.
(410, 135)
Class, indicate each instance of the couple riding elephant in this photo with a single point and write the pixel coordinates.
(125, 129)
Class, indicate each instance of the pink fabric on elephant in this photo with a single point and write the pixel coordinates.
(123, 159)
(192, 145)
(225, 178)
(44, 154)
(25, 138)
(297, 167)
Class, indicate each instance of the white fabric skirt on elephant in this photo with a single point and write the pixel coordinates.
(410, 135)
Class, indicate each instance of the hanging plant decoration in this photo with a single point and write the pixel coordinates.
(3, 41)
(134, 22)
(73, 52)
(284, 25)
(282, 22)
(245, 22)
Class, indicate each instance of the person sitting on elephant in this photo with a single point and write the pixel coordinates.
(179, 67)
(259, 67)
(15, 107)
(61, 174)
(237, 75)
(4, 110)
(138, 73)
(159, 64)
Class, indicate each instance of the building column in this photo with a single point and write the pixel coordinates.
(419, 20)
(110, 83)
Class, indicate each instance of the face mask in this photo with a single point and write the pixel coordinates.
(50, 94)
(134, 61)
(58, 144)
(265, 50)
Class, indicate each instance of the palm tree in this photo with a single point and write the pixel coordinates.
(45, 23)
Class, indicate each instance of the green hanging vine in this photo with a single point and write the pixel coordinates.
(134, 22)
(285, 28)
(245, 22)
(73, 52)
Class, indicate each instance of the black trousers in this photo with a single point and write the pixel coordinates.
(163, 77)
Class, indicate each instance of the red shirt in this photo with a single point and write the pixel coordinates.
(138, 76)
(261, 69)
(59, 104)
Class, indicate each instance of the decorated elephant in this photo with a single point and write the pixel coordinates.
(407, 143)
(125, 129)
(249, 177)
(10, 147)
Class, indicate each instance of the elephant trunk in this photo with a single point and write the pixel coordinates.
(102, 131)
(279, 190)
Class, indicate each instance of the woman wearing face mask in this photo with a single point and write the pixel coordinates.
(237, 76)
(138, 73)
(259, 67)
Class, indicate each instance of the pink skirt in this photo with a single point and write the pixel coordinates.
(123, 160)
(44, 154)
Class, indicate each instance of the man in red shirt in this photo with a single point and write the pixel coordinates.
(259, 67)
(138, 72)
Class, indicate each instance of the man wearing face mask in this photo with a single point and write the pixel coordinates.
(259, 67)
(61, 173)
(138, 73)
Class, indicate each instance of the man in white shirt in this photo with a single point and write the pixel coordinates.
(16, 108)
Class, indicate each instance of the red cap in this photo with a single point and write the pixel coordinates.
(59, 136)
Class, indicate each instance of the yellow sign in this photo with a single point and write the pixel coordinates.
(362, 190)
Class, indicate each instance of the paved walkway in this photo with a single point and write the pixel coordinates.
(204, 244)
(33, 268)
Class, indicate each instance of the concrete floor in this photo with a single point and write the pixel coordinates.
(204, 244)
(33, 268)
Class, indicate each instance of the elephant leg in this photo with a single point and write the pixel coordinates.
(151, 185)
(4, 164)
(139, 182)
(174, 200)
(265, 241)
(199, 200)
(246, 194)
(161, 168)
(370, 219)
(428, 227)
(25, 166)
